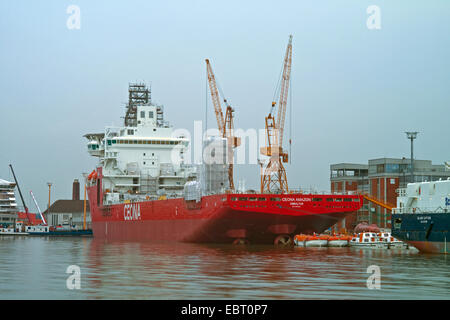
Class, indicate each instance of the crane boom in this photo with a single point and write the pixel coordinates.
(284, 92)
(225, 126)
(20, 193)
(274, 174)
(39, 209)
(215, 98)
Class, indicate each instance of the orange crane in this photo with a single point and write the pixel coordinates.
(274, 175)
(225, 125)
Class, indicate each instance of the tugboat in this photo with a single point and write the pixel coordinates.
(17, 231)
(422, 216)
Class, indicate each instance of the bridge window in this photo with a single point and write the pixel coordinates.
(316, 199)
(242, 199)
(347, 199)
(253, 199)
(261, 199)
(275, 199)
(330, 199)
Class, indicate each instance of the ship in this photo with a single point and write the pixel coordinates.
(144, 188)
(422, 216)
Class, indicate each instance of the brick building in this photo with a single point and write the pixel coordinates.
(380, 179)
(69, 212)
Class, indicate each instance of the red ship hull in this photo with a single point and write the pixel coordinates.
(257, 218)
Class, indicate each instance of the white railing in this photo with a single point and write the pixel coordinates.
(411, 210)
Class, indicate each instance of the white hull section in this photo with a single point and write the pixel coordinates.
(316, 243)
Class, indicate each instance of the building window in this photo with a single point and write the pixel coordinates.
(142, 114)
(150, 114)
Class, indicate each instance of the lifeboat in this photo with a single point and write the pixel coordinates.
(338, 241)
(391, 242)
(299, 240)
(366, 239)
(316, 241)
(90, 176)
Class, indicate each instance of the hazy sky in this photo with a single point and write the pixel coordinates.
(355, 90)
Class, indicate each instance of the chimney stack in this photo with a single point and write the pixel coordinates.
(76, 190)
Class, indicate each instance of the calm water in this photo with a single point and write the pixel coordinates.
(35, 268)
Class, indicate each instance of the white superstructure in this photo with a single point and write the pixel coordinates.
(424, 197)
(144, 160)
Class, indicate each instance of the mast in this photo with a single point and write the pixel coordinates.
(138, 94)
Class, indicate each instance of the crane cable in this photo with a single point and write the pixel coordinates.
(276, 93)
(221, 93)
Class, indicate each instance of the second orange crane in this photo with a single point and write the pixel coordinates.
(274, 176)
(225, 125)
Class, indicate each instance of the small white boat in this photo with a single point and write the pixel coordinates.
(338, 241)
(390, 242)
(316, 241)
(299, 240)
(367, 240)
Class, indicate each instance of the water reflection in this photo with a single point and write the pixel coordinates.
(130, 270)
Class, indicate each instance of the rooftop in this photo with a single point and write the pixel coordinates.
(68, 206)
(6, 183)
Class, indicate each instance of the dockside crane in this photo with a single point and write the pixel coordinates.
(39, 209)
(225, 125)
(21, 197)
(273, 175)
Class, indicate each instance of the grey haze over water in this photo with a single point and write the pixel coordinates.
(354, 90)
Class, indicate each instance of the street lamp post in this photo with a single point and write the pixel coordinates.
(411, 136)
(49, 192)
